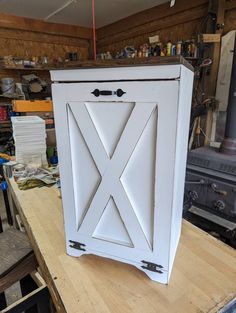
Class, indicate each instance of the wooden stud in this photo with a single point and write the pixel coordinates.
(212, 79)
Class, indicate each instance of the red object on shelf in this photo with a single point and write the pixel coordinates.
(3, 114)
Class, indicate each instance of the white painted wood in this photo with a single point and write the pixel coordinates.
(122, 164)
(121, 73)
(184, 109)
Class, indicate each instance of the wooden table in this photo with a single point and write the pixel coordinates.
(203, 278)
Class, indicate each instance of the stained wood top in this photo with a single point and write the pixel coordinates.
(203, 277)
(171, 60)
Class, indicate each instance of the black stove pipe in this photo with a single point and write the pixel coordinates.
(229, 143)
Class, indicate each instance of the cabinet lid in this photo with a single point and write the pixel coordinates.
(162, 68)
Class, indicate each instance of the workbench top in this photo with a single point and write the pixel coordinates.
(203, 277)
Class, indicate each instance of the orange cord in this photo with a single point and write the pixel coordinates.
(94, 31)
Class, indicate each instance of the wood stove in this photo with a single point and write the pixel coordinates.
(211, 176)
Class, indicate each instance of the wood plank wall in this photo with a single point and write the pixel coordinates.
(230, 16)
(180, 22)
(24, 37)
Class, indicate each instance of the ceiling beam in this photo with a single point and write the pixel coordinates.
(39, 26)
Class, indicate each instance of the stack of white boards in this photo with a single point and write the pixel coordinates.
(29, 133)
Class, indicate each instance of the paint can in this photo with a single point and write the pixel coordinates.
(168, 48)
(179, 48)
(173, 49)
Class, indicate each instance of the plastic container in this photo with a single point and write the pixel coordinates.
(8, 85)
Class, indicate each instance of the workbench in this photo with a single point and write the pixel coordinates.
(203, 277)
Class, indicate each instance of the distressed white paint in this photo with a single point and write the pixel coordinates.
(122, 163)
(121, 73)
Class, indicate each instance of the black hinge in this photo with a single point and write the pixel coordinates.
(77, 245)
(152, 267)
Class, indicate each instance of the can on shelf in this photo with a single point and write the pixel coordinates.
(168, 48)
(179, 48)
(173, 49)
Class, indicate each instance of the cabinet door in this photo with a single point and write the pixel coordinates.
(116, 159)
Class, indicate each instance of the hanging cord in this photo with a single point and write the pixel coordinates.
(94, 31)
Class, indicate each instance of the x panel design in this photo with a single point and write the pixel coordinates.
(111, 169)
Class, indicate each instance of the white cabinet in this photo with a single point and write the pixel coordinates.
(122, 144)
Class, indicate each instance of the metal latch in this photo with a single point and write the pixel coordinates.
(152, 267)
(77, 245)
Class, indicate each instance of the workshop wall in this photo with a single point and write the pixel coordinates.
(230, 16)
(26, 38)
(180, 22)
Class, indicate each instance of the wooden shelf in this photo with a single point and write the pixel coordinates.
(5, 126)
(25, 68)
(13, 96)
(5, 123)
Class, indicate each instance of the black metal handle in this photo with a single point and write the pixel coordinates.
(119, 93)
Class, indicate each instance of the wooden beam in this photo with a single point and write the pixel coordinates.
(147, 16)
(220, 6)
(40, 296)
(33, 25)
(25, 267)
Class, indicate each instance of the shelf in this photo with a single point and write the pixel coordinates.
(191, 58)
(5, 126)
(25, 68)
(4, 130)
(5, 104)
(41, 68)
(5, 123)
(13, 96)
